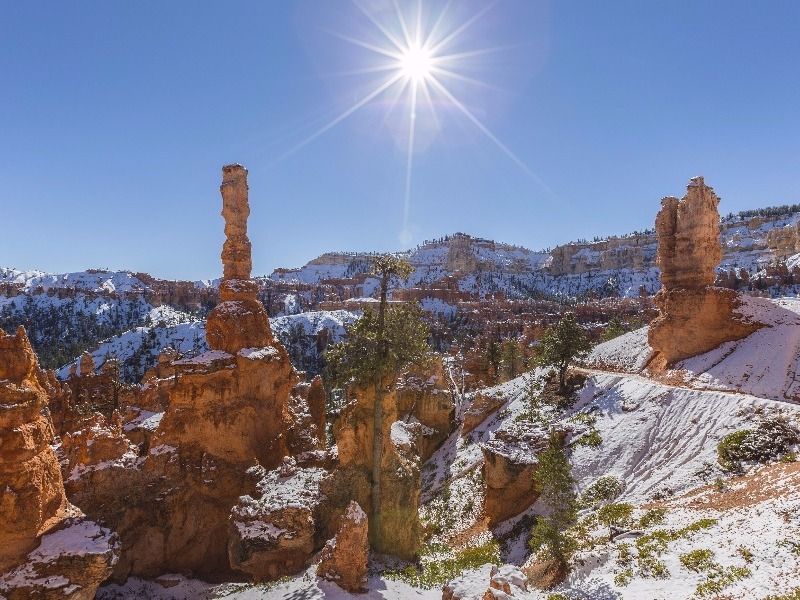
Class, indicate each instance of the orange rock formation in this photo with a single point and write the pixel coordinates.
(228, 419)
(344, 558)
(33, 505)
(239, 320)
(694, 316)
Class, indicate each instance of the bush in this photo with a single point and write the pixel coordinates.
(606, 489)
(770, 440)
(654, 516)
(436, 571)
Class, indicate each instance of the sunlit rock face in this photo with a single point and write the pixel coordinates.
(694, 316)
(34, 511)
(239, 320)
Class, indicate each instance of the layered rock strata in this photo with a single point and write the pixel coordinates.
(34, 510)
(694, 316)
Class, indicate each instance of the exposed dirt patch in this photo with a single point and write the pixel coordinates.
(772, 481)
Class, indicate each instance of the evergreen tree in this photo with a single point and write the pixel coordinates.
(554, 479)
(615, 328)
(561, 345)
(377, 349)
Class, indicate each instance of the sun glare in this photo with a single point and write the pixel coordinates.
(416, 63)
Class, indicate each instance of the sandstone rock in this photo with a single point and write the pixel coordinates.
(510, 461)
(32, 499)
(694, 317)
(86, 365)
(90, 450)
(424, 396)
(688, 237)
(240, 320)
(395, 527)
(481, 408)
(69, 564)
(228, 418)
(276, 534)
(344, 558)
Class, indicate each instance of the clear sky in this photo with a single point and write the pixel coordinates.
(553, 121)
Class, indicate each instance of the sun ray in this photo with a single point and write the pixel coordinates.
(429, 39)
(412, 126)
(463, 27)
(397, 43)
(403, 25)
(487, 132)
(369, 97)
(368, 46)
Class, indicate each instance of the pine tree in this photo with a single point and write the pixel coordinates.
(554, 479)
(561, 345)
(377, 349)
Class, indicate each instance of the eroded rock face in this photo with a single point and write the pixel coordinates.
(230, 415)
(510, 460)
(276, 534)
(33, 504)
(344, 558)
(424, 396)
(694, 316)
(33, 499)
(239, 320)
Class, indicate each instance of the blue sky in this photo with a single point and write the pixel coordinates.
(115, 119)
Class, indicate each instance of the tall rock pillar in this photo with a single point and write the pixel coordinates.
(240, 320)
(694, 317)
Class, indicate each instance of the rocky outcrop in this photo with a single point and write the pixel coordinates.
(694, 316)
(424, 396)
(510, 459)
(274, 531)
(229, 419)
(481, 408)
(89, 452)
(344, 558)
(239, 320)
(33, 505)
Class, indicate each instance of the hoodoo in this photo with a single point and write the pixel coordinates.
(694, 316)
(239, 320)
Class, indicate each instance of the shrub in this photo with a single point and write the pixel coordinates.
(654, 516)
(698, 561)
(623, 578)
(436, 571)
(606, 489)
(770, 440)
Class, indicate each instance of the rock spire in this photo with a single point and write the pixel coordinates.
(239, 321)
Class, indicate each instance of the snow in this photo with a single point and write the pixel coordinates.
(259, 353)
(629, 352)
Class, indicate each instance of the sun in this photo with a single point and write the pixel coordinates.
(416, 63)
